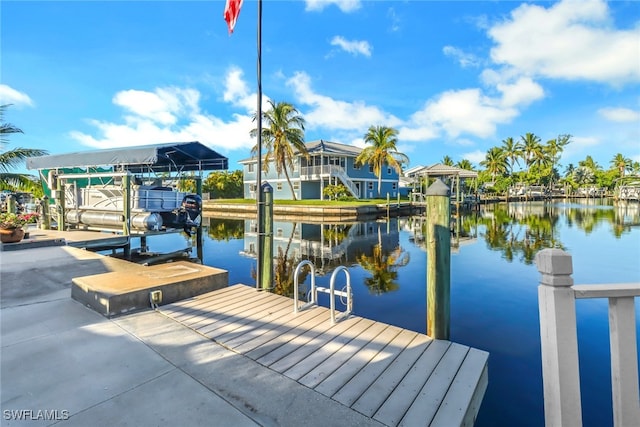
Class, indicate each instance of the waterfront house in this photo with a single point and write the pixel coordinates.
(328, 163)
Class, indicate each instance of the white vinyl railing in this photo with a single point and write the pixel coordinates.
(558, 333)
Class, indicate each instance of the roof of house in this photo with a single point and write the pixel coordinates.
(170, 157)
(440, 169)
(323, 147)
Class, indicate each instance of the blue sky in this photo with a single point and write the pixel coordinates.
(454, 77)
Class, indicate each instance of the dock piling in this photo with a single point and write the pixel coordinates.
(438, 241)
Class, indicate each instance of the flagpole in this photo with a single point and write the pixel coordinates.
(259, 198)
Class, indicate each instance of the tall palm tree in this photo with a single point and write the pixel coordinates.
(382, 151)
(555, 147)
(465, 164)
(283, 136)
(13, 158)
(512, 152)
(495, 162)
(530, 144)
(622, 163)
(447, 161)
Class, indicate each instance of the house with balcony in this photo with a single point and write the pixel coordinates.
(328, 163)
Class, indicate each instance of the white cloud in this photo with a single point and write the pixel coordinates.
(571, 40)
(521, 93)
(172, 115)
(464, 111)
(161, 106)
(475, 156)
(332, 114)
(344, 5)
(237, 90)
(464, 59)
(9, 95)
(354, 47)
(620, 114)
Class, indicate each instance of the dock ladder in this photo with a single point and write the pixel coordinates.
(313, 293)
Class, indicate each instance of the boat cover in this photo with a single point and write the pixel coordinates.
(170, 157)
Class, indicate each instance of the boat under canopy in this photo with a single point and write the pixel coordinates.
(127, 189)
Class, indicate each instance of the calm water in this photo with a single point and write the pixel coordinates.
(493, 285)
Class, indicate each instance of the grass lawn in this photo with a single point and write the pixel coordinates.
(332, 203)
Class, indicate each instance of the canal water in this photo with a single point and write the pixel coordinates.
(494, 302)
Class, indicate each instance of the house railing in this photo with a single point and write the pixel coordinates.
(314, 172)
(342, 175)
(317, 172)
(558, 333)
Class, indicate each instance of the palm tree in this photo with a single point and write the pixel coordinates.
(621, 163)
(283, 136)
(512, 152)
(588, 162)
(583, 175)
(447, 161)
(530, 144)
(495, 163)
(383, 150)
(555, 147)
(465, 164)
(13, 158)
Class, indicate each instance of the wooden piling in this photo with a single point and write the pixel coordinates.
(438, 240)
(266, 255)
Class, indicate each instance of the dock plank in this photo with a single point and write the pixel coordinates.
(352, 367)
(359, 384)
(422, 372)
(266, 333)
(371, 400)
(351, 349)
(392, 375)
(434, 390)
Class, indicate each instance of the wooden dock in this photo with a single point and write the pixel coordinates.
(390, 374)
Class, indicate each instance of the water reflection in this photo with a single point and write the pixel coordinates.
(520, 230)
(373, 245)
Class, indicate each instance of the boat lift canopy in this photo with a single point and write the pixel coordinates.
(169, 157)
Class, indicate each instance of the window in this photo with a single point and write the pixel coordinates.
(394, 186)
(369, 185)
(388, 170)
(279, 186)
(252, 188)
(279, 232)
(371, 168)
(296, 186)
(251, 167)
(295, 165)
(356, 166)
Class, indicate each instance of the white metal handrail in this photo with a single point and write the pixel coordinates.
(313, 298)
(559, 342)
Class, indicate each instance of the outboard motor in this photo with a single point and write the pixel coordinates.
(190, 213)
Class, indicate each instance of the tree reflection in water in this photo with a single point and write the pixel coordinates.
(520, 230)
(284, 270)
(383, 266)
